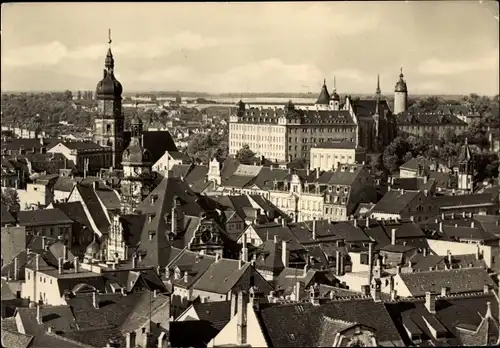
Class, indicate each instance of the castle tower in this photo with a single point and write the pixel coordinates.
(400, 95)
(323, 102)
(137, 169)
(334, 98)
(466, 169)
(109, 123)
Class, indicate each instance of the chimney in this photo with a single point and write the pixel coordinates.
(441, 227)
(464, 214)
(393, 236)
(162, 339)
(60, 264)
(284, 253)
(472, 224)
(394, 295)
(486, 289)
(478, 252)
(337, 262)
(367, 224)
(424, 251)
(244, 250)
(39, 317)
(275, 239)
(234, 301)
(76, 264)
(37, 262)
(412, 218)
(341, 264)
(241, 338)
(44, 242)
(430, 302)
(355, 222)
(217, 257)
(95, 300)
(297, 291)
(123, 291)
(65, 253)
(134, 261)
(442, 216)
(155, 292)
(317, 173)
(16, 268)
(283, 222)
(186, 278)
(450, 258)
(398, 269)
(130, 340)
(314, 229)
(445, 291)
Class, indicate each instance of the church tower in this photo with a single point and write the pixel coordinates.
(376, 115)
(108, 126)
(137, 169)
(466, 169)
(323, 102)
(400, 95)
(334, 98)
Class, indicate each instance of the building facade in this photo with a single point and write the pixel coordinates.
(286, 134)
(330, 155)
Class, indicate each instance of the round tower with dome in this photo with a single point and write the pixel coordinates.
(109, 123)
(334, 97)
(137, 168)
(400, 95)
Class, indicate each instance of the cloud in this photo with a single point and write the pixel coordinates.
(440, 67)
(271, 75)
(55, 52)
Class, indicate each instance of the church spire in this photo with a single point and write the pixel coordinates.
(334, 84)
(110, 61)
(378, 92)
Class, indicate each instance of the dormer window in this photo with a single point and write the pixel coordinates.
(338, 189)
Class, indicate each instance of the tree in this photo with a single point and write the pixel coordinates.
(298, 163)
(203, 147)
(245, 155)
(11, 199)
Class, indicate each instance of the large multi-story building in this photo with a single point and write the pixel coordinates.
(286, 134)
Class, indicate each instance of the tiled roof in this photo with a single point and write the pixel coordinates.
(110, 198)
(429, 119)
(157, 142)
(181, 333)
(191, 262)
(394, 202)
(299, 324)
(221, 276)
(458, 280)
(15, 339)
(367, 107)
(176, 155)
(81, 145)
(42, 217)
(75, 211)
(196, 178)
(464, 200)
(343, 144)
(156, 247)
(64, 184)
(91, 200)
(451, 312)
(217, 313)
(6, 217)
(7, 293)
(13, 242)
(324, 96)
(270, 256)
(132, 225)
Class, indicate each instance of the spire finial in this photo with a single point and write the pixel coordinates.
(378, 85)
(324, 82)
(109, 37)
(334, 83)
(401, 72)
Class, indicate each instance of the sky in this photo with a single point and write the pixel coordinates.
(444, 47)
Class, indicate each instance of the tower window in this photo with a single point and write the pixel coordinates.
(108, 128)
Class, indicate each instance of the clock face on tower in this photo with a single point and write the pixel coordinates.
(206, 236)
